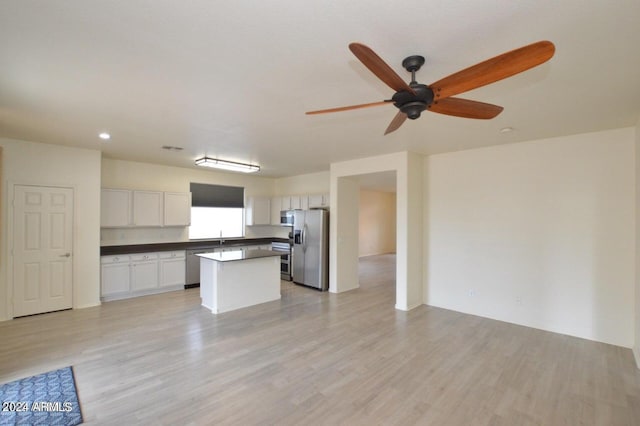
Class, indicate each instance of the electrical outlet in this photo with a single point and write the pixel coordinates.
(472, 293)
(518, 301)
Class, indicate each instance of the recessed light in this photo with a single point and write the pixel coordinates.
(104, 136)
(506, 130)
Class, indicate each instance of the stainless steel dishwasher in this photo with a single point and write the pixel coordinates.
(193, 266)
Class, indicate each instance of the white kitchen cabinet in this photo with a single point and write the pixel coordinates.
(115, 208)
(177, 209)
(122, 208)
(258, 211)
(172, 268)
(147, 208)
(131, 275)
(285, 202)
(315, 200)
(318, 201)
(304, 202)
(114, 275)
(144, 271)
(295, 202)
(276, 206)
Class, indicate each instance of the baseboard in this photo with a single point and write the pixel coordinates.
(408, 308)
(636, 355)
(88, 305)
(360, 256)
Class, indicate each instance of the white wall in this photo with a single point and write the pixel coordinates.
(42, 164)
(377, 223)
(134, 175)
(539, 233)
(636, 347)
(312, 183)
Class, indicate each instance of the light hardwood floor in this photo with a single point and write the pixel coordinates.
(320, 358)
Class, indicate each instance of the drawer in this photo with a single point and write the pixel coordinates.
(142, 257)
(120, 258)
(177, 254)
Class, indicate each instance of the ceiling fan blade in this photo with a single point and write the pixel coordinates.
(396, 122)
(494, 69)
(465, 108)
(379, 67)
(347, 108)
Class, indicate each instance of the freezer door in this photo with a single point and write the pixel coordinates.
(311, 244)
(297, 251)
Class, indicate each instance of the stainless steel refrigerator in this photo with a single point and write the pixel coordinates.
(310, 253)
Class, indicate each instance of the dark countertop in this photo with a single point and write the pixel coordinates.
(186, 245)
(234, 255)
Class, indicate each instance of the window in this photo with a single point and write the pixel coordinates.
(217, 211)
(216, 222)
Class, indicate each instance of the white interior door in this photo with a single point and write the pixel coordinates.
(42, 249)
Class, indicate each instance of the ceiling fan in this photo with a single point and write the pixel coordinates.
(413, 98)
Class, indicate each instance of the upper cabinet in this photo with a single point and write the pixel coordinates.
(115, 208)
(318, 201)
(304, 202)
(177, 208)
(122, 208)
(276, 207)
(147, 208)
(258, 211)
(295, 202)
(285, 202)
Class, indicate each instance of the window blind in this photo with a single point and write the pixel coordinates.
(206, 195)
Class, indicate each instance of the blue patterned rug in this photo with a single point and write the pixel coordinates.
(46, 399)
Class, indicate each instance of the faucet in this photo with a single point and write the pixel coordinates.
(221, 240)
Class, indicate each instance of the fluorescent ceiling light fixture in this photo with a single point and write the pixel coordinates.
(227, 165)
(104, 136)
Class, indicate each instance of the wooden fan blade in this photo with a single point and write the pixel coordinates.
(396, 122)
(379, 67)
(347, 108)
(494, 69)
(465, 108)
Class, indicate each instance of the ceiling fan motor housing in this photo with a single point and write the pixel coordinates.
(411, 104)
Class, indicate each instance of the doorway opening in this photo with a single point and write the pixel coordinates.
(407, 168)
(377, 230)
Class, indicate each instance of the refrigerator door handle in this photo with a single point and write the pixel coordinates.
(304, 237)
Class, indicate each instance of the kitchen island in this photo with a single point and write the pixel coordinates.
(236, 279)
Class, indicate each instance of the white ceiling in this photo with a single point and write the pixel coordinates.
(232, 79)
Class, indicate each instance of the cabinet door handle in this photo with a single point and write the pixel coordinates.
(66, 255)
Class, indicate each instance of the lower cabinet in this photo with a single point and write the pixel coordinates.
(144, 271)
(115, 274)
(172, 268)
(140, 274)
